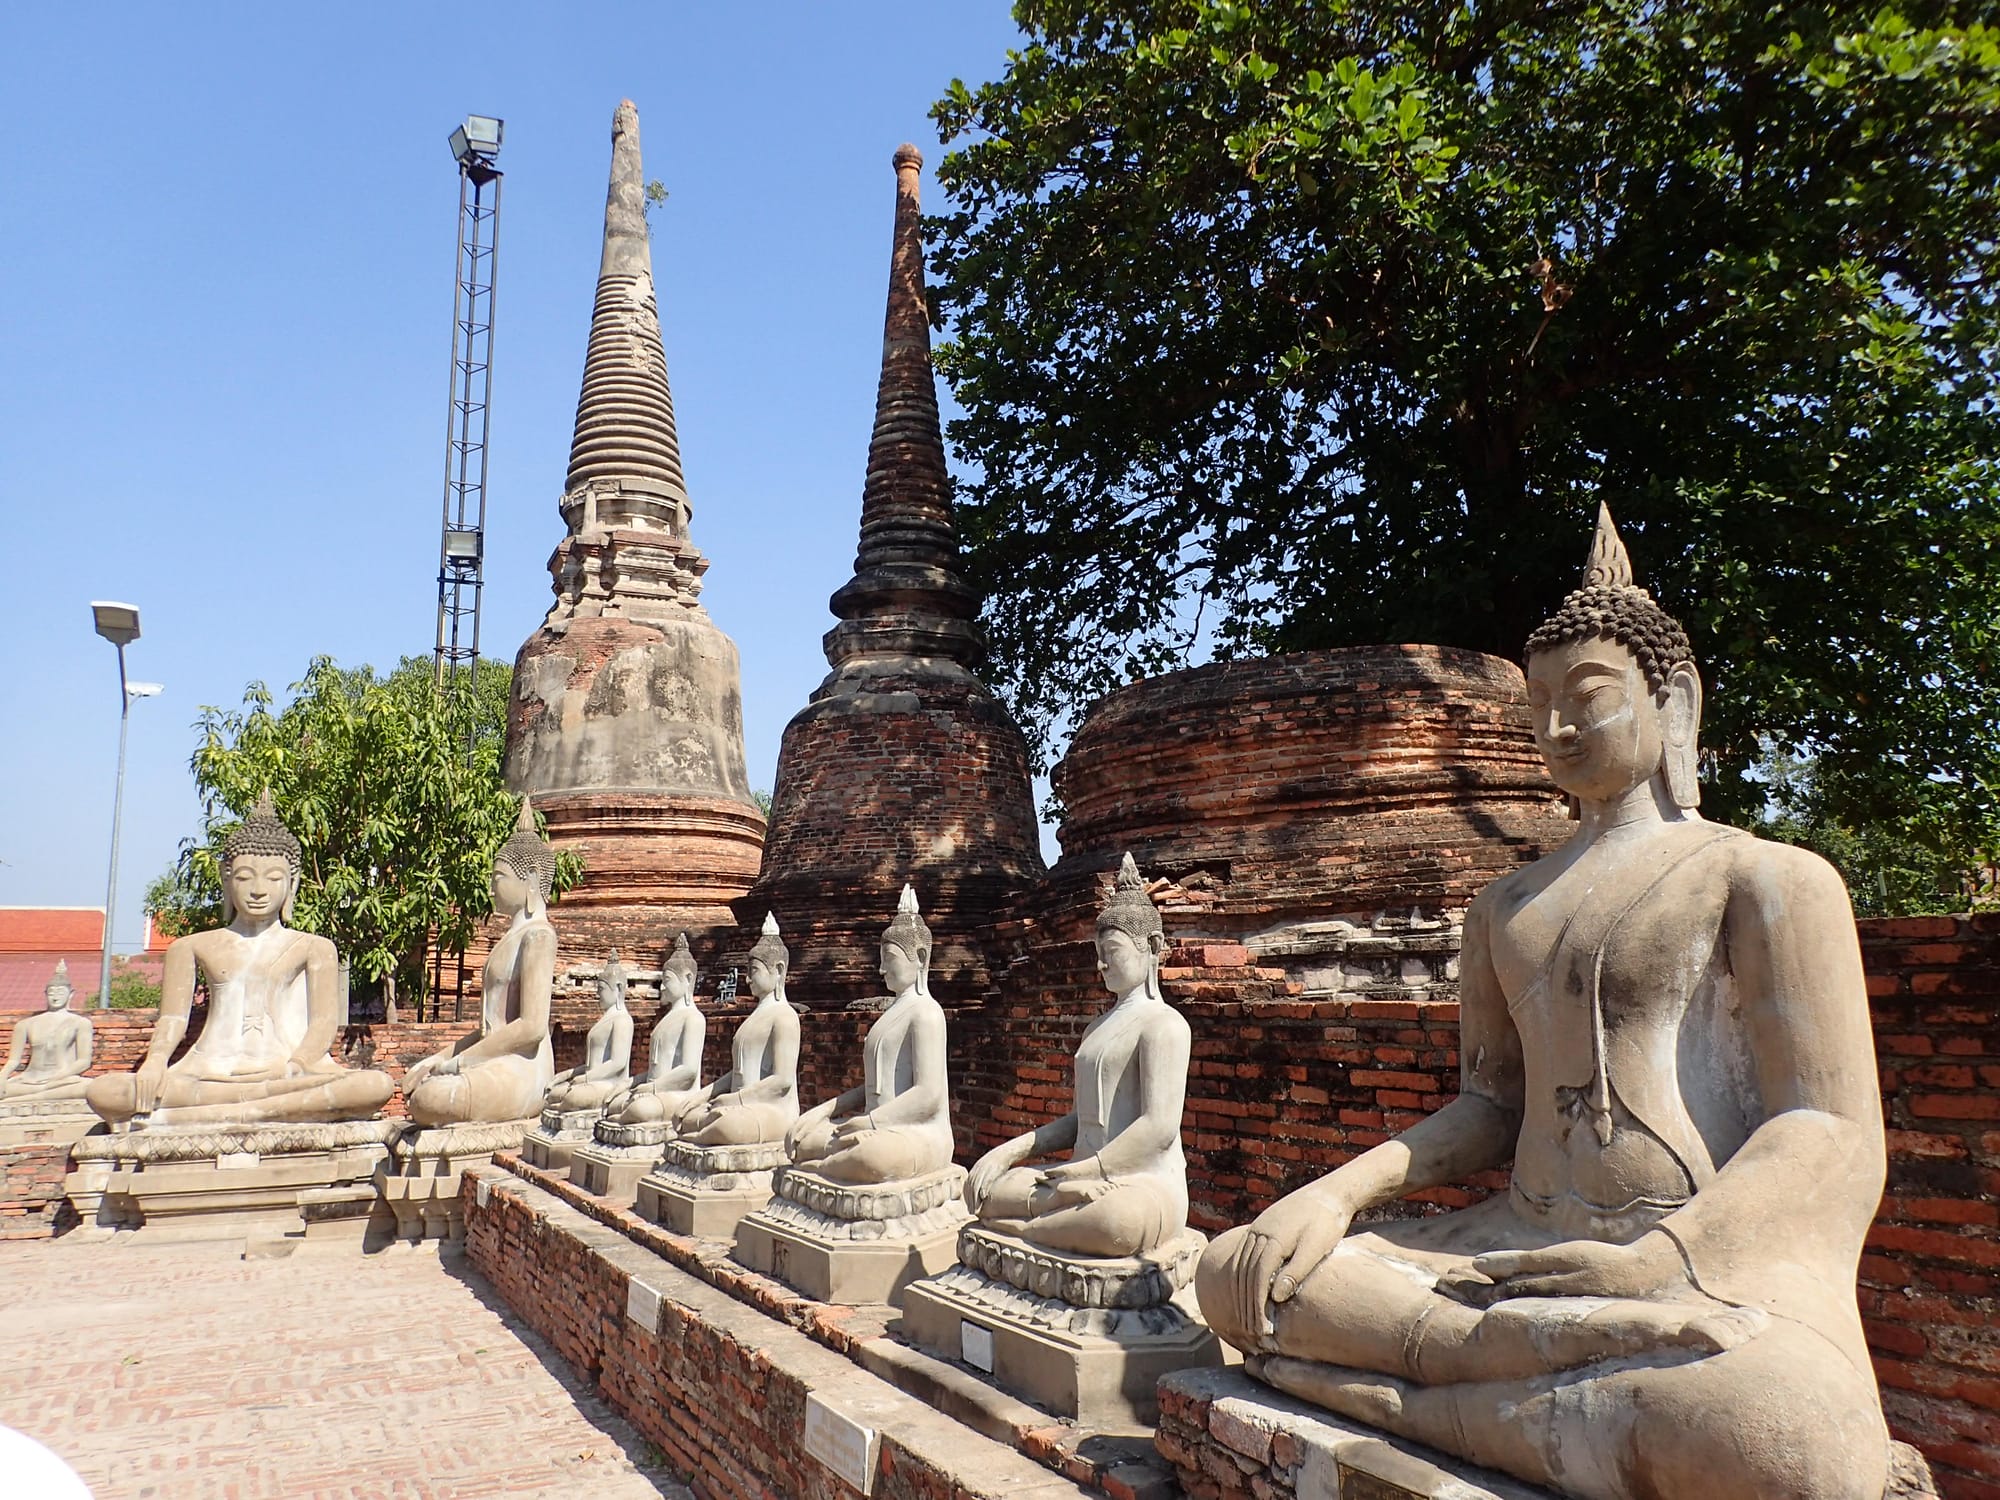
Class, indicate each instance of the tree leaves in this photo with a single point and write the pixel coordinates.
(1316, 322)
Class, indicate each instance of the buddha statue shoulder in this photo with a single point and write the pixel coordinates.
(897, 1125)
(273, 1008)
(1123, 1189)
(1665, 1031)
(49, 1053)
(673, 1073)
(606, 1071)
(757, 1100)
(502, 1070)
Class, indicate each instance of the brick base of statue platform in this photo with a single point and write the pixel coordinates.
(1232, 1438)
(418, 1185)
(299, 1180)
(558, 1136)
(1084, 1338)
(852, 1244)
(705, 1191)
(32, 1205)
(51, 1122)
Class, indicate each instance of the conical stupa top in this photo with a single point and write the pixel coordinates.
(907, 598)
(1609, 564)
(625, 438)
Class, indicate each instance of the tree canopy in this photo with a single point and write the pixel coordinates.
(1316, 322)
(393, 788)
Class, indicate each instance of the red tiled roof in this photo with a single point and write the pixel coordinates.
(54, 930)
(24, 976)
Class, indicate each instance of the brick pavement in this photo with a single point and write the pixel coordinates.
(181, 1372)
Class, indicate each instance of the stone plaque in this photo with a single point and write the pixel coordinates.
(1355, 1485)
(237, 1161)
(642, 1303)
(976, 1346)
(845, 1446)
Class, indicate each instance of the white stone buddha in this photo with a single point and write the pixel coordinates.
(673, 1075)
(758, 1098)
(55, 1045)
(606, 1071)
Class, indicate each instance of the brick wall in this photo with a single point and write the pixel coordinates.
(32, 1206)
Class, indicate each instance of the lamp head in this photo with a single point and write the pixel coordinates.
(477, 140)
(117, 623)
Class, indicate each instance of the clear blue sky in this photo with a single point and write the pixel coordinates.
(225, 300)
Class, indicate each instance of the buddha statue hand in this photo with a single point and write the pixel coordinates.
(146, 1085)
(1651, 1268)
(1262, 1265)
(994, 1165)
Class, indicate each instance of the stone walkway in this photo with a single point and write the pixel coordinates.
(181, 1372)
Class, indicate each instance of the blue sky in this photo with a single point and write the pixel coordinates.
(225, 267)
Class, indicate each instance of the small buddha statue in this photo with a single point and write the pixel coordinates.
(56, 1046)
(1664, 1027)
(273, 1008)
(757, 1100)
(502, 1070)
(607, 1050)
(1123, 1190)
(897, 1125)
(673, 1074)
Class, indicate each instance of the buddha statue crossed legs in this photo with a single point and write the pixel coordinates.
(1665, 1029)
(897, 1125)
(502, 1070)
(272, 1009)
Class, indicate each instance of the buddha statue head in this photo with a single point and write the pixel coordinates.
(524, 871)
(677, 974)
(906, 948)
(1612, 686)
(1130, 936)
(611, 983)
(260, 868)
(59, 991)
(769, 959)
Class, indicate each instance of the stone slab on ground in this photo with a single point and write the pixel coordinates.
(1233, 1438)
(169, 1370)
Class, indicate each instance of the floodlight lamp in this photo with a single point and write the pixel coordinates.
(477, 140)
(117, 623)
(144, 689)
(461, 546)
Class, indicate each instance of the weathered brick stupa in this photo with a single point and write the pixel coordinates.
(902, 767)
(626, 724)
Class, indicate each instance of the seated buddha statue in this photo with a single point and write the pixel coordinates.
(1123, 1189)
(673, 1073)
(502, 1070)
(607, 1050)
(1665, 1031)
(897, 1125)
(56, 1046)
(757, 1100)
(273, 1008)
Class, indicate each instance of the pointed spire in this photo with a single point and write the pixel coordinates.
(524, 820)
(907, 604)
(908, 904)
(625, 448)
(59, 980)
(1609, 564)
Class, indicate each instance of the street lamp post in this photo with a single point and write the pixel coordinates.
(118, 624)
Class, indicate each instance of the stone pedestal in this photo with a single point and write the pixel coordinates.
(558, 1136)
(1085, 1339)
(618, 1156)
(847, 1243)
(224, 1181)
(419, 1184)
(45, 1122)
(705, 1191)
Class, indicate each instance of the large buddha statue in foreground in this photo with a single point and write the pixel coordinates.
(1665, 1030)
(273, 1008)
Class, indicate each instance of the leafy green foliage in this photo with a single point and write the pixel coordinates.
(133, 989)
(1319, 322)
(398, 823)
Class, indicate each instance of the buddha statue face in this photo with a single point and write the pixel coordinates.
(1601, 727)
(58, 994)
(510, 889)
(1125, 963)
(259, 887)
(765, 977)
(900, 967)
(676, 988)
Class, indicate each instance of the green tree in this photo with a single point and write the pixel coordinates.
(1319, 322)
(133, 989)
(399, 824)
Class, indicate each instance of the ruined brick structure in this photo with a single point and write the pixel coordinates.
(626, 721)
(903, 766)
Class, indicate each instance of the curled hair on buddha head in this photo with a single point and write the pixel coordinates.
(681, 961)
(528, 854)
(909, 932)
(261, 835)
(1611, 606)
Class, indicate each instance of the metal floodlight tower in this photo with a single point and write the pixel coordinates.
(118, 624)
(462, 549)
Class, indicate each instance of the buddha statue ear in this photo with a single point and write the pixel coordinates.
(1681, 723)
(291, 898)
